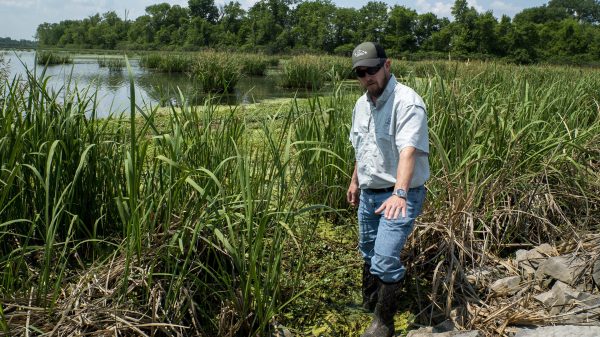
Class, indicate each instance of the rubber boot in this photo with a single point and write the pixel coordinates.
(370, 284)
(383, 322)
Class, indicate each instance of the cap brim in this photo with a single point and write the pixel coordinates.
(367, 63)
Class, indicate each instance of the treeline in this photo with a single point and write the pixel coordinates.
(560, 31)
(7, 42)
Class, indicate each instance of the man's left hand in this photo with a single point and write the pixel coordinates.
(392, 207)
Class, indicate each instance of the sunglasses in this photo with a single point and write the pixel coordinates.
(369, 70)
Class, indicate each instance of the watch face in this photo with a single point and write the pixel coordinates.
(401, 193)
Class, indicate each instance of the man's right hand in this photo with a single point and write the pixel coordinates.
(353, 195)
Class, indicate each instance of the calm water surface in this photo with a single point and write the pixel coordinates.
(152, 88)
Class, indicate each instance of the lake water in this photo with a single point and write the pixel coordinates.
(152, 88)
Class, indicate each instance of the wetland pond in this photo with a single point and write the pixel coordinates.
(152, 88)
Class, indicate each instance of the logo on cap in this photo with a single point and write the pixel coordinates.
(359, 52)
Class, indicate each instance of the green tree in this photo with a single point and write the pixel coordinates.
(312, 27)
(204, 9)
(540, 15)
(265, 25)
(228, 31)
(399, 33)
(441, 40)
(141, 32)
(165, 25)
(463, 28)
(425, 26)
(523, 41)
(177, 23)
(595, 46)
(582, 10)
(484, 33)
(200, 33)
(233, 15)
(112, 31)
(345, 26)
(571, 39)
(503, 32)
(373, 18)
(462, 12)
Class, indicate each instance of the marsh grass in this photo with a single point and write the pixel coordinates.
(205, 215)
(112, 63)
(254, 64)
(505, 140)
(338, 67)
(305, 71)
(196, 221)
(46, 57)
(4, 68)
(216, 72)
(167, 62)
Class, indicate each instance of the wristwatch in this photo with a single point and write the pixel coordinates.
(400, 193)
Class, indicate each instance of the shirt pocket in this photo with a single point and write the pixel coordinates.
(385, 140)
(359, 134)
(387, 149)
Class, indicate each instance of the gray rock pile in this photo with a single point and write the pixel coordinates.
(556, 289)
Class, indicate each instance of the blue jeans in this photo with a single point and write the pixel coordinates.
(381, 240)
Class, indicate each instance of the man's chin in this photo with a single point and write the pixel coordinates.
(375, 92)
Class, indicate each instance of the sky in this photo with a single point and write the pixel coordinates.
(20, 18)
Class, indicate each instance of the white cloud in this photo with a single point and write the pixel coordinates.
(439, 8)
(504, 8)
(246, 3)
(474, 4)
(444, 8)
(18, 3)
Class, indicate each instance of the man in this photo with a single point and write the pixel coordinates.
(390, 139)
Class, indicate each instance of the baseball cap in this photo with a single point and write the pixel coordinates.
(368, 54)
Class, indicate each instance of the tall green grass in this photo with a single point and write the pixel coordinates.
(254, 64)
(216, 72)
(112, 63)
(192, 222)
(312, 72)
(304, 71)
(512, 153)
(4, 68)
(167, 62)
(46, 57)
(205, 214)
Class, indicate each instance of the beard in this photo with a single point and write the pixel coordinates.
(374, 89)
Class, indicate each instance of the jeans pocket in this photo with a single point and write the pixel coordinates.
(415, 200)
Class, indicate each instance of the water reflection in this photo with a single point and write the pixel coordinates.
(151, 88)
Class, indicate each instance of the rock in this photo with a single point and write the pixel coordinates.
(547, 298)
(520, 255)
(561, 298)
(421, 332)
(557, 299)
(546, 249)
(426, 332)
(507, 285)
(561, 268)
(560, 331)
(596, 273)
(527, 270)
(523, 262)
(445, 326)
(534, 255)
(529, 260)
